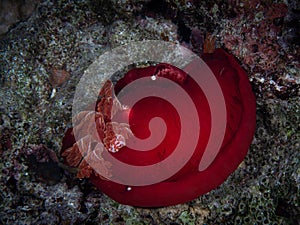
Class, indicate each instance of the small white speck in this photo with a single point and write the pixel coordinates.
(125, 107)
(189, 4)
(278, 88)
(71, 204)
(261, 80)
(153, 77)
(53, 93)
(128, 188)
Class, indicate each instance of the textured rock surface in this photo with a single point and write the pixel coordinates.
(14, 11)
(69, 35)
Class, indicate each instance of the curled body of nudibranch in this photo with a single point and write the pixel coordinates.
(188, 182)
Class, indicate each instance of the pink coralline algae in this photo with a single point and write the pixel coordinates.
(255, 43)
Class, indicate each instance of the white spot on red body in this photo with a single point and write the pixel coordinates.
(128, 188)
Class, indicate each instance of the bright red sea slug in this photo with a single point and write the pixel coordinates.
(187, 183)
